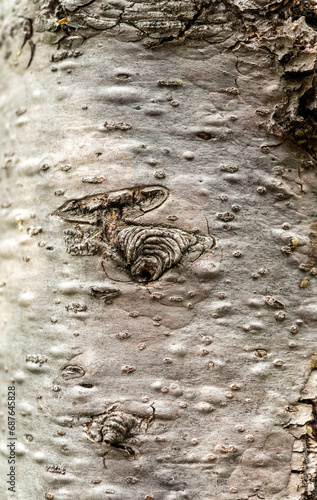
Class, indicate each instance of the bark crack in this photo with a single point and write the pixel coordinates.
(90, 2)
(201, 8)
(28, 34)
(303, 426)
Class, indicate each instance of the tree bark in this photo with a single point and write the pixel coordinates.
(158, 249)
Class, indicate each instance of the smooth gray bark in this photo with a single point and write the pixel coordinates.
(196, 382)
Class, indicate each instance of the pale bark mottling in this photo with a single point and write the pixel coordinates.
(158, 248)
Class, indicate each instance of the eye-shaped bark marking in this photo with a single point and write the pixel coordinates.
(113, 428)
(124, 205)
(72, 371)
(151, 251)
(106, 225)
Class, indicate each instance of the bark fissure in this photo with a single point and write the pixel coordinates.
(294, 118)
(208, 99)
(303, 427)
(201, 8)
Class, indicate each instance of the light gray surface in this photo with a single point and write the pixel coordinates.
(204, 347)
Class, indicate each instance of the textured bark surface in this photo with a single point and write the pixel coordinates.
(158, 248)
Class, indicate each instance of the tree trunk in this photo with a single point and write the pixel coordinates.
(158, 249)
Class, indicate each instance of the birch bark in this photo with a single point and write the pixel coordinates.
(158, 248)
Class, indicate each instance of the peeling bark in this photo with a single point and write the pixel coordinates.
(158, 248)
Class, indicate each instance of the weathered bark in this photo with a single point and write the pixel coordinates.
(165, 349)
